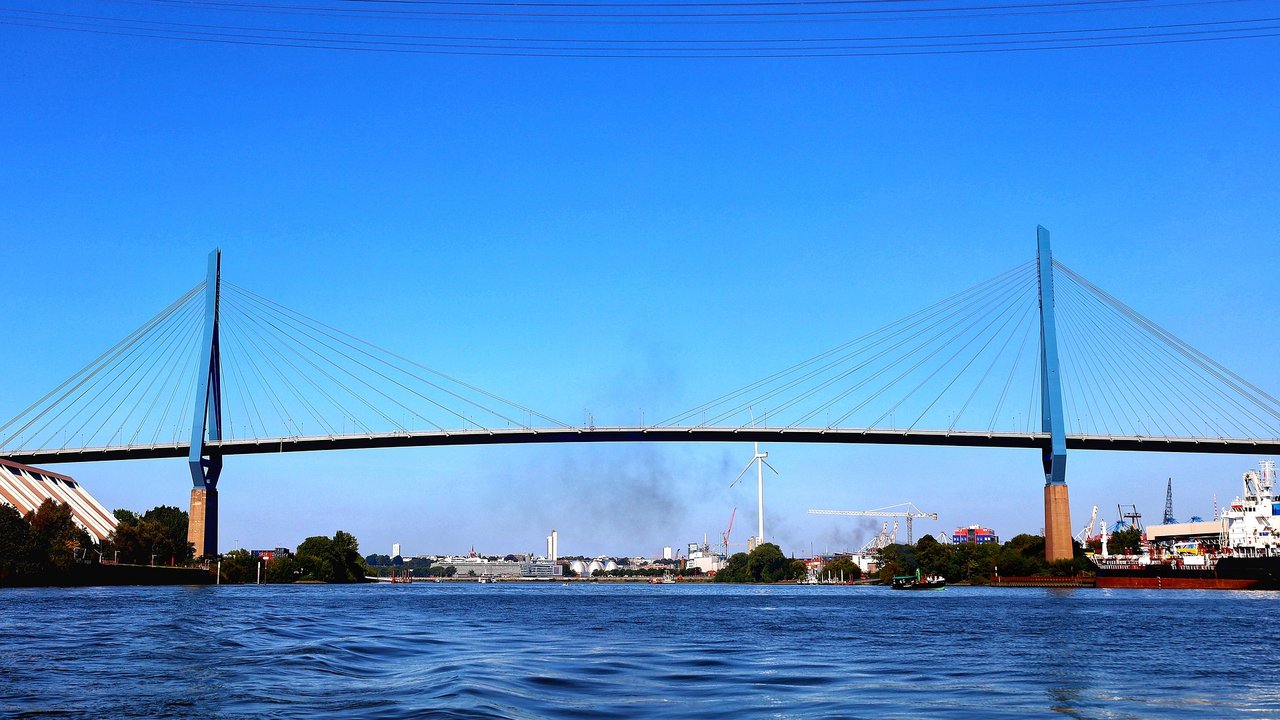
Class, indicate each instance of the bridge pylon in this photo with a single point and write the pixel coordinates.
(206, 465)
(1057, 508)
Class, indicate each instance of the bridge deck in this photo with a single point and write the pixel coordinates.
(654, 434)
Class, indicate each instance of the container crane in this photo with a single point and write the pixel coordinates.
(906, 510)
(878, 541)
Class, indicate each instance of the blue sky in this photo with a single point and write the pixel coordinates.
(602, 236)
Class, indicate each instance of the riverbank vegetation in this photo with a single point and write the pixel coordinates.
(46, 547)
(977, 563)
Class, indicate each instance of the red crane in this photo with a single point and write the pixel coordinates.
(724, 536)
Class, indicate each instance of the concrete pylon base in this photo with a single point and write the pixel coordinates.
(202, 523)
(1057, 523)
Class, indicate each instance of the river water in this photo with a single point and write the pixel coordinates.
(636, 651)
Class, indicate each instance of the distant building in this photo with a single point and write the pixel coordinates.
(974, 534)
(269, 555)
(666, 553)
(540, 569)
(25, 488)
(395, 550)
(702, 557)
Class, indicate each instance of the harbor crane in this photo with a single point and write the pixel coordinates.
(906, 510)
(724, 536)
(1086, 532)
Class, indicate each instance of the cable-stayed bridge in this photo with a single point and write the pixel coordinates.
(1036, 357)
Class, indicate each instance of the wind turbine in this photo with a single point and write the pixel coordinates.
(760, 462)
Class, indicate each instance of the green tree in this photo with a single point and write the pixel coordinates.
(173, 523)
(159, 534)
(17, 555)
(767, 564)
(842, 566)
(1125, 542)
(332, 560)
(280, 569)
(55, 538)
(934, 558)
(799, 570)
(315, 558)
(896, 560)
(239, 566)
(734, 570)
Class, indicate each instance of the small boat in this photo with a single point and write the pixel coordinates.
(485, 579)
(666, 579)
(919, 581)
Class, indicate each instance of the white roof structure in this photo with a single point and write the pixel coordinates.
(25, 488)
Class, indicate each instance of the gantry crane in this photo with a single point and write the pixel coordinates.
(908, 510)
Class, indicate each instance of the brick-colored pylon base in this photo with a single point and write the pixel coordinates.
(202, 523)
(1057, 523)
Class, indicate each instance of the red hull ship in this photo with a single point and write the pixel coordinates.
(1238, 551)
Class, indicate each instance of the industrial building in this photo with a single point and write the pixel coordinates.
(974, 534)
(25, 488)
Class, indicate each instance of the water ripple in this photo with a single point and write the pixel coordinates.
(633, 651)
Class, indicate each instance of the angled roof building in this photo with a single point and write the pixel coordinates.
(25, 487)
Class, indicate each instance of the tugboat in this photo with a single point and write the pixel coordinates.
(919, 582)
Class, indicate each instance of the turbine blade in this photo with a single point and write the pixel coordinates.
(744, 472)
(766, 464)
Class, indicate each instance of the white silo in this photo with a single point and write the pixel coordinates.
(593, 566)
(579, 567)
(610, 565)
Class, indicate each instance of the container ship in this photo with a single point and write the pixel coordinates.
(1238, 551)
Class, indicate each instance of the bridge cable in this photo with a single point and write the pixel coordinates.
(973, 317)
(90, 369)
(346, 339)
(344, 410)
(1256, 396)
(97, 382)
(254, 317)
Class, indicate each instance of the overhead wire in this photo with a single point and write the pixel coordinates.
(923, 44)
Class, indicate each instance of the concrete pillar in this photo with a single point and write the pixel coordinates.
(202, 523)
(1057, 523)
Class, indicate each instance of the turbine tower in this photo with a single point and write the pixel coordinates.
(760, 462)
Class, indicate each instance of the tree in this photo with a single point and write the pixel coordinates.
(280, 569)
(239, 566)
(159, 534)
(173, 523)
(1125, 542)
(767, 564)
(842, 567)
(934, 558)
(734, 570)
(55, 537)
(896, 560)
(17, 554)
